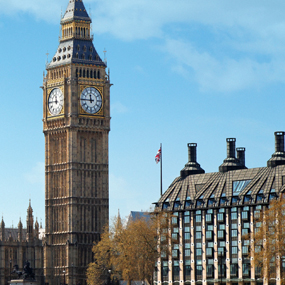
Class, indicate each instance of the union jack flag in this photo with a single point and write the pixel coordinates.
(158, 156)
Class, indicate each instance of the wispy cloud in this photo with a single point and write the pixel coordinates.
(243, 45)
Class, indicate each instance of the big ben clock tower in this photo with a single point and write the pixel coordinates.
(76, 123)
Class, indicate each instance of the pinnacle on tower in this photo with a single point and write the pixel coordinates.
(30, 222)
(75, 11)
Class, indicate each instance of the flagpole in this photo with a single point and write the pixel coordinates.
(161, 169)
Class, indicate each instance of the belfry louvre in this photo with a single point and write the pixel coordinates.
(211, 214)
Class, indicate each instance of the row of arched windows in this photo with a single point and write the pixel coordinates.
(59, 73)
(86, 73)
(67, 32)
(81, 32)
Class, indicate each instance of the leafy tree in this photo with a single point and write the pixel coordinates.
(129, 252)
(268, 241)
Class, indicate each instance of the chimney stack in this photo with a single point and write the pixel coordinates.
(278, 157)
(231, 147)
(192, 152)
(192, 167)
(231, 162)
(241, 155)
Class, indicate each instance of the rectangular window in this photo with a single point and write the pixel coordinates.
(186, 235)
(198, 245)
(244, 232)
(198, 229)
(234, 226)
(175, 253)
(245, 269)
(220, 217)
(210, 244)
(187, 269)
(187, 245)
(234, 243)
(209, 270)
(187, 229)
(198, 235)
(174, 220)
(245, 250)
(234, 233)
(246, 225)
(198, 252)
(222, 244)
(209, 251)
(209, 218)
(234, 216)
(199, 269)
(210, 227)
(187, 252)
(174, 237)
(256, 214)
(221, 250)
(233, 269)
(165, 268)
(198, 219)
(209, 235)
(244, 215)
(221, 235)
(176, 268)
(234, 250)
(186, 219)
(222, 227)
(175, 230)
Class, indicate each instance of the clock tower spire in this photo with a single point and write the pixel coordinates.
(76, 124)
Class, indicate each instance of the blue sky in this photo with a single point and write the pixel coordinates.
(183, 71)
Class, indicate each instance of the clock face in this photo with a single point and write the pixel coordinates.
(55, 101)
(91, 100)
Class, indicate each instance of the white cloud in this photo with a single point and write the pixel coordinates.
(243, 45)
(36, 175)
(222, 75)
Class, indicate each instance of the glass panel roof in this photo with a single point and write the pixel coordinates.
(239, 185)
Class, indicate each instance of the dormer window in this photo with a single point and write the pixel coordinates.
(78, 47)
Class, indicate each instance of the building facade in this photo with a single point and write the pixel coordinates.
(18, 245)
(76, 124)
(212, 212)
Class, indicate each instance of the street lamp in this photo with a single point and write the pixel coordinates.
(10, 268)
(64, 277)
(221, 255)
(72, 273)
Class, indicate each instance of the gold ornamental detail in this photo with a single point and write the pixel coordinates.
(61, 113)
(100, 113)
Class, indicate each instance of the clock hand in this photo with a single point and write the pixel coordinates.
(91, 99)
